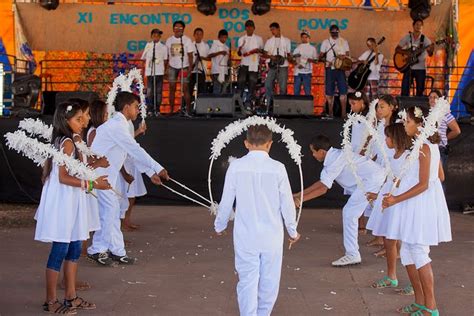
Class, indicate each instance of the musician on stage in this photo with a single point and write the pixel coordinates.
(371, 88)
(331, 48)
(220, 57)
(303, 57)
(200, 56)
(277, 50)
(417, 71)
(180, 52)
(249, 47)
(155, 55)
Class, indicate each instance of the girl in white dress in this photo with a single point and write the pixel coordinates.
(424, 217)
(65, 225)
(387, 109)
(380, 219)
(133, 181)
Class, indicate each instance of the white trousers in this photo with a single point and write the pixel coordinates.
(109, 237)
(351, 212)
(259, 281)
(415, 254)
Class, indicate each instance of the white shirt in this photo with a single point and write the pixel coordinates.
(359, 136)
(203, 49)
(374, 69)
(278, 46)
(219, 62)
(307, 51)
(175, 53)
(113, 140)
(264, 202)
(336, 168)
(161, 54)
(408, 41)
(249, 43)
(340, 48)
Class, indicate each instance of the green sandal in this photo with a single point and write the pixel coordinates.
(382, 283)
(433, 312)
(407, 290)
(410, 309)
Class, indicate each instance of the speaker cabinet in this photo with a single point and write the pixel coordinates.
(216, 104)
(406, 102)
(292, 105)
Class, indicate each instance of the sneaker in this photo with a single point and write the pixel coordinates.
(347, 261)
(101, 258)
(123, 259)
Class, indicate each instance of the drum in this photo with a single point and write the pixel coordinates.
(343, 63)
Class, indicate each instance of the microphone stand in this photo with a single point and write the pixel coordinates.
(153, 74)
(182, 76)
(196, 68)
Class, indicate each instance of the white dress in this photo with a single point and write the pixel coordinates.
(137, 187)
(381, 219)
(90, 204)
(424, 219)
(59, 216)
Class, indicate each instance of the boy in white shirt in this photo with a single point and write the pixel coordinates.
(305, 55)
(199, 66)
(180, 53)
(114, 141)
(219, 55)
(260, 187)
(278, 51)
(155, 55)
(249, 47)
(337, 168)
(371, 89)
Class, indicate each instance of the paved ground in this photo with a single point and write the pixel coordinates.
(184, 270)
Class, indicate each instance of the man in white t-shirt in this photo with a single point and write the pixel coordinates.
(278, 52)
(371, 88)
(180, 53)
(155, 55)
(331, 48)
(200, 58)
(219, 55)
(304, 56)
(249, 47)
(417, 71)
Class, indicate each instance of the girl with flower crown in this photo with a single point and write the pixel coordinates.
(65, 225)
(424, 217)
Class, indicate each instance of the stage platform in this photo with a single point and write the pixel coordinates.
(183, 147)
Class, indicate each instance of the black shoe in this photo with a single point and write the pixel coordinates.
(123, 259)
(101, 258)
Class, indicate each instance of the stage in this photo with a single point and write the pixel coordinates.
(183, 147)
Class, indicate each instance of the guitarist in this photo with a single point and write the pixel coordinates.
(330, 49)
(303, 57)
(414, 40)
(249, 47)
(278, 52)
(371, 89)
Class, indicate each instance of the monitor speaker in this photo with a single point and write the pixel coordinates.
(216, 104)
(292, 105)
(407, 101)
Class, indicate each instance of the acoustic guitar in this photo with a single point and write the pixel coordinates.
(404, 59)
(358, 77)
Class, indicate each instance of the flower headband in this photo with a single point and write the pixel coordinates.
(418, 112)
(358, 94)
(69, 108)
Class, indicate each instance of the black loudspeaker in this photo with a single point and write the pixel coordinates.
(215, 104)
(467, 96)
(62, 96)
(406, 102)
(26, 90)
(293, 105)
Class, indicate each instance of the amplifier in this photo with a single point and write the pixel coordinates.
(292, 105)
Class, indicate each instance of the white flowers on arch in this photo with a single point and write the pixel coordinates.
(234, 129)
(124, 83)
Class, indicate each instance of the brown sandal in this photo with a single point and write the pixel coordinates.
(79, 303)
(57, 308)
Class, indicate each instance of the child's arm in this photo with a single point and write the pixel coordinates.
(441, 172)
(141, 129)
(287, 206)
(420, 187)
(315, 190)
(127, 176)
(227, 201)
(65, 178)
